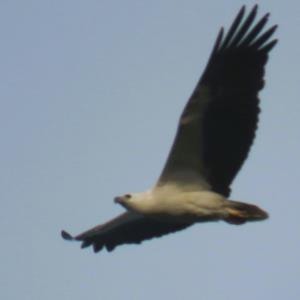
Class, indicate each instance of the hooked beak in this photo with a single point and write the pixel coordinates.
(118, 200)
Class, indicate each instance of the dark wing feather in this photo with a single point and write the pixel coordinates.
(219, 121)
(234, 76)
(128, 228)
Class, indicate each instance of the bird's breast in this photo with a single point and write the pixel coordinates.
(186, 206)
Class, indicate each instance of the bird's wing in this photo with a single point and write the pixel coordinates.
(218, 124)
(127, 228)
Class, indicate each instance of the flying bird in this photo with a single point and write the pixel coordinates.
(213, 139)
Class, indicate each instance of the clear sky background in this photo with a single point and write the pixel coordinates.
(90, 95)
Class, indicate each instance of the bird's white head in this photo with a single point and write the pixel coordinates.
(124, 200)
(133, 201)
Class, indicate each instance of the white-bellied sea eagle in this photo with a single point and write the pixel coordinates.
(214, 135)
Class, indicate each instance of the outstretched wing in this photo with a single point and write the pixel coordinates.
(127, 228)
(218, 124)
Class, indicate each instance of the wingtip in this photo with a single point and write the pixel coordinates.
(66, 236)
(266, 16)
(241, 12)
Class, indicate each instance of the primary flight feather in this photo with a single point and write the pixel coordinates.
(214, 135)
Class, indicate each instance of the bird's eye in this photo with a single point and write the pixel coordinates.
(127, 196)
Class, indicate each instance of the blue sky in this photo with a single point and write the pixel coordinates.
(91, 92)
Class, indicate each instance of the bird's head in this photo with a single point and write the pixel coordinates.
(125, 200)
(134, 201)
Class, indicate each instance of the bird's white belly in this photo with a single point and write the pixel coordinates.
(186, 206)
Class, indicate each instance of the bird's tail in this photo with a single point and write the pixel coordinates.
(238, 213)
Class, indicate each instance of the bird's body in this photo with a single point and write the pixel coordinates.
(172, 203)
(215, 132)
(187, 205)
